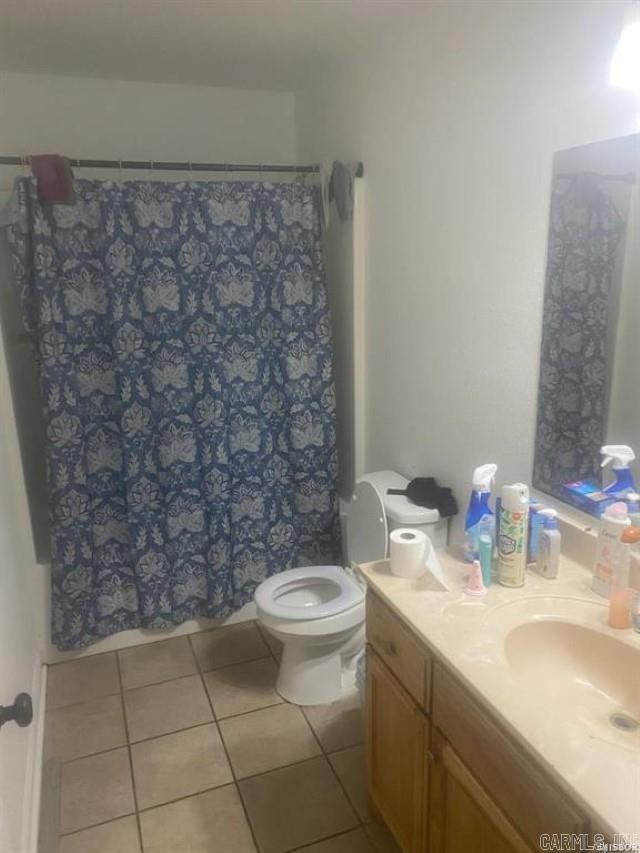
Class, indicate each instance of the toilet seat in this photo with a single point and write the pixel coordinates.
(308, 592)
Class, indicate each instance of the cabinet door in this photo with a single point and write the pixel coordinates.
(463, 817)
(396, 755)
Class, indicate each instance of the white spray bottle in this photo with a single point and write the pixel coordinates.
(621, 455)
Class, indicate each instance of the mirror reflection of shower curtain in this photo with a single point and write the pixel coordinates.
(186, 372)
(586, 233)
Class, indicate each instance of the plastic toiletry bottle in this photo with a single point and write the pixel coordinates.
(536, 523)
(485, 547)
(612, 523)
(479, 510)
(548, 557)
(620, 599)
(512, 538)
(621, 455)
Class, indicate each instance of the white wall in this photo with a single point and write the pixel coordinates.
(456, 115)
(113, 119)
(110, 119)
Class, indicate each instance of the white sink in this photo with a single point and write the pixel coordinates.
(576, 665)
(562, 653)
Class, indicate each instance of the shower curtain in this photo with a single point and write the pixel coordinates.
(585, 231)
(182, 333)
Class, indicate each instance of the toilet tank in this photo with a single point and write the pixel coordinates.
(401, 512)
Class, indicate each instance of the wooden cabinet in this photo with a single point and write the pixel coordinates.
(526, 795)
(462, 816)
(443, 773)
(397, 740)
(400, 650)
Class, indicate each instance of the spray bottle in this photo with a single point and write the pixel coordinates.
(512, 537)
(621, 455)
(480, 517)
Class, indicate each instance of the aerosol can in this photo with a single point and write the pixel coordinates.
(512, 537)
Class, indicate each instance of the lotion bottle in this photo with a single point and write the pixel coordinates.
(613, 522)
(512, 539)
(620, 598)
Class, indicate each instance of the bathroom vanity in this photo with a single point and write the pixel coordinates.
(463, 754)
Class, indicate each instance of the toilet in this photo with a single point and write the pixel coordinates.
(318, 612)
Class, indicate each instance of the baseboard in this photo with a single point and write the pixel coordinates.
(49, 824)
(35, 758)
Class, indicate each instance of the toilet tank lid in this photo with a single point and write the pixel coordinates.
(398, 508)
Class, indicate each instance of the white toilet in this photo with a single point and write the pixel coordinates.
(318, 612)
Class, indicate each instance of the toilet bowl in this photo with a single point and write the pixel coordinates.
(318, 612)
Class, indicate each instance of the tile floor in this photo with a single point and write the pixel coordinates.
(184, 746)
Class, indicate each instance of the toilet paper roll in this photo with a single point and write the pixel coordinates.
(407, 552)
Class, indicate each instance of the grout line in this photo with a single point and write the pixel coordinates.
(81, 702)
(133, 778)
(84, 658)
(251, 659)
(172, 732)
(232, 771)
(263, 633)
(64, 761)
(344, 787)
(327, 755)
(326, 838)
(162, 681)
(246, 713)
(96, 825)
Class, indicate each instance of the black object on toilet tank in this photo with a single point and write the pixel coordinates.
(425, 491)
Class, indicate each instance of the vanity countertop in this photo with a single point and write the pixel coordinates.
(553, 689)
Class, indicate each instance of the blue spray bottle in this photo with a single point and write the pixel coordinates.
(621, 455)
(480, 517)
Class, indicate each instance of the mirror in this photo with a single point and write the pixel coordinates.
(588, 392)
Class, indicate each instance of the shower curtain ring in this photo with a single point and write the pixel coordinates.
(190, 171)
(23, 165)
(120, 170)
(151, 162)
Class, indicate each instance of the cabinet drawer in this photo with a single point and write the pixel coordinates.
(527, 796)
(396, 646)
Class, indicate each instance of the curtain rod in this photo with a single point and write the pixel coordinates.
(175, 166)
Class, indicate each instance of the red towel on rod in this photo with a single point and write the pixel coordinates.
(54, 178)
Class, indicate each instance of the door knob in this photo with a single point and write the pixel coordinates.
(21, 712)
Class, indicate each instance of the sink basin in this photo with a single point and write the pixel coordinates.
(577, 666)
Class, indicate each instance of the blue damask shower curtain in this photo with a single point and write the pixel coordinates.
(182, 332)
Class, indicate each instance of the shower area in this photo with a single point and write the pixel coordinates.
(186, 376)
